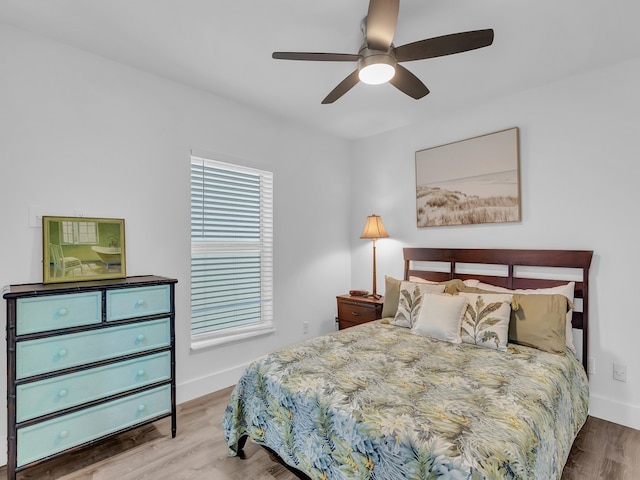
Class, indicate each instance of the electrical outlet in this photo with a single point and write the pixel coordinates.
(305, 327)
(591, 366)
(619, 372)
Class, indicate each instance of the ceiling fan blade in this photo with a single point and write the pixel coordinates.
(343, 87)
(407, 82)
(444, 45)
(318, 57)
(381, 23)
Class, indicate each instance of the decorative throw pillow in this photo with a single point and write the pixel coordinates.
(568, 290)
(440, 317)
(392, 292)
(391, 295)
(486, 321)
(410, 301)
(539, 322)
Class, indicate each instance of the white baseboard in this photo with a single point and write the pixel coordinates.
(614, 411)
(211, 383)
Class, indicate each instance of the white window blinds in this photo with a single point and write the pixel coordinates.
(231, 248)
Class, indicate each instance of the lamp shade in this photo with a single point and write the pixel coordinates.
(374, 228)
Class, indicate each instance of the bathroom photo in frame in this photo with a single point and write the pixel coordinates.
(80, 248)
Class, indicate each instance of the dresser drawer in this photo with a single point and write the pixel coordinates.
(47, 396)
(34, 357)
(40, 314)
(138, 302)
(53, 436)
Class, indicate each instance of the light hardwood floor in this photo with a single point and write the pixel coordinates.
(602, 451)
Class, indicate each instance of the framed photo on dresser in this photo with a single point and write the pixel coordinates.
(81, 248)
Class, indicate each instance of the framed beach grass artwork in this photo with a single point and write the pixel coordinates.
(469, 182)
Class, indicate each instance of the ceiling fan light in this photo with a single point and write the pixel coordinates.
(377, 68)
(376, 73)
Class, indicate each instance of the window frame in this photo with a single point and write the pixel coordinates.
(264, 246)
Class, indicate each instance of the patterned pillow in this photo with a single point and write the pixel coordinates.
(567, 290)
(486, 321)
(410, 301)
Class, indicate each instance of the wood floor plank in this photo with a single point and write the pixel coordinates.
(602, 451)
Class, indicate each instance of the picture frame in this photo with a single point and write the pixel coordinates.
(471, 181)
(78, 249)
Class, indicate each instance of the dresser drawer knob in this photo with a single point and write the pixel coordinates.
(63, 434)
(62, 352)
(142, 408)
(141, 303)
(63, 393)
(140, 338)
(140, 373)
(62, 312)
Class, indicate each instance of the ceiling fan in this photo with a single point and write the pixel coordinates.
(379, 60)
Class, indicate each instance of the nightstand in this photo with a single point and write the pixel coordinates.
(354, 310)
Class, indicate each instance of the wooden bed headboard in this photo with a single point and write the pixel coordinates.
(504, 271)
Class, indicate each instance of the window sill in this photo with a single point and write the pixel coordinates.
(232, 335)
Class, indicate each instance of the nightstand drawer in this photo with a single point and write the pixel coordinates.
(65, 391)
(53, 436)
(45, 355)
(356, 312)
(53, 312)
(138, 302)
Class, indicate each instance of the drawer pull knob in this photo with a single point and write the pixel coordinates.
(63, 393)
(62, 312)
(141, 372)
(62, 352)
(142, 408)
(140, 338)
(64, 434)
(355, 314)
(141, 303)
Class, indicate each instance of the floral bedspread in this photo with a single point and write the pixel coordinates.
(378, 402)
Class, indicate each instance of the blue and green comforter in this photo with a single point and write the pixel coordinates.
(378, 402)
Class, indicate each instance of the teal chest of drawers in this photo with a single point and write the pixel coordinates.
(85, 361)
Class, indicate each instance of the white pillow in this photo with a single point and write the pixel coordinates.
(440, 317)
(486, 320)
(410, 301)
(566, 290)
(472, 282)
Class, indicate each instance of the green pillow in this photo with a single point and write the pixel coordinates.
(391, 297)
(540, 321)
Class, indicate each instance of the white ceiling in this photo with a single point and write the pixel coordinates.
(225, 46)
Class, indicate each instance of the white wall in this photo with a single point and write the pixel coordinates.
(82, 133)
(579, 155)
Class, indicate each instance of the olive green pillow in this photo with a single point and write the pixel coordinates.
(540, 321)
(391, 296)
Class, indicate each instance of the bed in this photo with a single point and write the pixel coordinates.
(390, 401)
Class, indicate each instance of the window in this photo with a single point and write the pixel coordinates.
(77, 233)
(231, 252)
